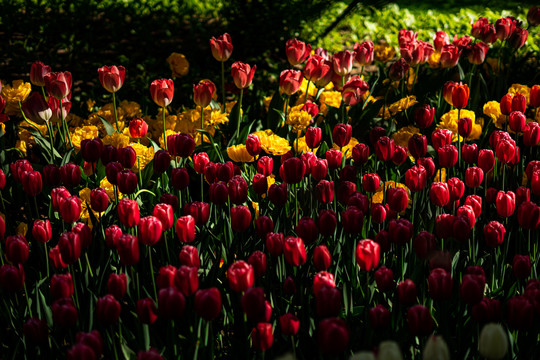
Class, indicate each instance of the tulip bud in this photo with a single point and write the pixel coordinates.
(36, 331)
(379, 317)
(117, 285)
(240, 218)
(242, 74)
(521, 266)
(64, 313)
(407, 292)
(179, 178)
(99, 200)
(384, 148)
(203, 93)
(440, 284)
(128, 212)
(199, 210)
(313, 137)
(128, 249)
(327, 222)
(171, 303)
(384, 278)
(221, 47)
(294, 251)
(241, 276)
(70, 247)
(185, 229)
(307, 230)
(61, 286)
(367, 254)
(333, 336)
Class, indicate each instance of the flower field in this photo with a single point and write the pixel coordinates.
(380, 203)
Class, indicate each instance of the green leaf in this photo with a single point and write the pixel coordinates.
(155, 145)
(67, 157)
(108, 127)
(234, 120)
(46, 309)
(215, 105)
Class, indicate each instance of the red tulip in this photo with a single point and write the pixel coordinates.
(439, 193)
(415, 178)
(384, 148)
(400, 231)
(112, 234)
(352, 220)
(322, 259)
(506, 203)
(108, 310)
(36, 331)
(61, 286)
(353, 91)
(253, 304)
(521, 266)
(307, 230)
(117, 285)
(487, 310)
(164, 212)
(290, 81)
(221, 47)
(289, 324)
(334, 157)
(518, 38)
(448, 156)
(423, 116)
(262, 336)
(146, 310)
(258, 260)
(440, 284)
(384, 278)
(38, 72)
(64, 313)
(517, 121)
(200, 160)
(58, 84)
(36, 108)
(342, 134)
(208, 303)
(398, 70)
(186, 280)
(367, 254)
(419, 320)
(242, 74)
(327, 222)
(128, 212)
(397, 199)
(297, 51)
(41, 231)
(379, 317)
(274, 243)
(343, 62)
(371, 182)
(328, 300)
(474, 177)
(469, 153)
(241, 276)
(185, 229)
(364, 52)
(325, 191)
(520, 313)
(112, 77)
(407, 292)
(240, 218)
(171, 303)
(70, 247)
(128, 249)
(294, 251)
(333, 336)
(531, 134)
(203, 93)
(162, 92)
(150, 230)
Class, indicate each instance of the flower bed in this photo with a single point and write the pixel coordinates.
(374, 201)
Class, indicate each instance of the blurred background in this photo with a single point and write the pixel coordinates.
(82, 35)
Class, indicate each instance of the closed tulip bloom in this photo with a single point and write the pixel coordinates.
(186, 280)
(406, 292)
(185, 228)
(117, 285)
(322, 280)
(517, 121)
(58, 84)
(38, 71)
(70, 247)
(221, 47)
(189, 256)
(92, 340)
(112, 234)
(179, 178)
(322, 259)
(440, 284)
(203, 93)
(343, 62)
(364, 52)
(371, 182)
(164, 212)
(258, 260)
(384, 148)
(274, 243)
(506, 203)
(440, 138)
(342, 134)
(290, 81)
(199, 210)
(56, 258)
(474, 177)
(240, 218)
(428, 164)
(518, 38)
(448, 156)
(521, 266)
(460, 96)
(292, 170)
(487, 310)
(417, 145)
(439, 193)
(277, 194)
(419, 320)
(32, 183)
(333, 336)
(506, 104)
(352, 220)
(241, 276)
(112, 77)
(469, 153)
(99, 200)
(253, 145)
(465, 126)
(166, 276)
(36, 108)
(262, 336)
(138, 128)
(17, 249)
(294, 251)
(493, 342)
(307, 230)
(319, 169)
(486, 160)
(289, 324)
(327, 222)
(128, 249)
(494, 233)
(415, 178)
(528, 215)
(423, 116)
(379, 317)
(531, 134)
(476, 53)
(398, 70)
(242, 74)
(171, 303)
(128, 212)
(108, 310)
(384, 278)
(64, 313)
(253, 304)
(208, 303)
(181, 145)
(111, 171)
(450, 56)
(360, 153)
(378, 213)
(397, 199)
(36, 331)
(149, 230)
(353, 91)
(325, 191)
(520, 313)
(334, 158)
(200, 160)
(400, 231)
(146, 311)
(297, 51)
(41, 231)
(237, 190)
(127, 181)
(367, 254)
(162, 92)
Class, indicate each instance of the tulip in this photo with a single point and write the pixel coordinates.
(360, 153)
(64, 313)
(322, 259)
(328, 297)
(221, 47)
(171, 303)
(384, 278)
(37, 109)
(262, 336)
(128, 212)
(307, 230)
(353, 91)
(38, 72)
(439, 193)
(419, 320)
(517, 121)
(469, 153)
(186, 280)
(146, 310)
(384, 148)
(398, 70)
(208, 303)
(111, 170)
(36, 331)
(166, 276)
(520, 313)
(448, 156)
(242, 74)
(277, 194)
(292, 170)
(423, 116)
(521, 266)
(364, 52)
(493, 342)
(127, 181)
(200, 160)
(406, 292)
(371, 182)
(506, 203)
(241, 276)
(181, 145)
(70, 174)
(258, 260)
(449, 56)
(151, 354)
(327, 222)
(518, 38)
(240, 218)
(472, 288)
(397, 199)
(289, 324)
(474, 177)
(117, 285)
(294, 251)
(333, 336)
(199, 210)
(253, 304)
(108, 310)
(342, 134)
(290, 81)
(203, 93)
(415, 178)
(70, 247)
(274, 243)
(297, 51)
(185, 229)
(162, 92)
(138, 128)
(352, 220)
(379, 317)
(99, 200)
(112, 234)
(128, 249)
(367, 254)
(531, 134)
(58, 84)
(460, 96)
(417, 145)
(41, 231)
(400, 231)
(61, 286)
(149, 230)
(440, 284)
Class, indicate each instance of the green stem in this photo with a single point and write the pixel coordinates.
(115, 113)
(27, 300)
(240, 111)
(64, 122)
(202, 124)
(307, 90)
(46, 258)
(164, 129)
(51, 140)
(152, 272)
(25, 119)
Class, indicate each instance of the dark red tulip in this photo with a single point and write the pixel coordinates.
(333, 336)
(322, 259)
(112, 234)
(342, 134)
(486, 311)
(334, 157)
(439, 194)
(325, 191)
(428, 164)
(448, 156)
(149, 230)
(378, 213)
(219, 193)
(440, 138)
(352, 220)
(117, 285)
(258, 260)
(289, 324)
(384, 148)
(200, 160)
(11, 278)
(36, 331)
(164, 212)
(371, 182)
(199, 210)
(294, 251)
(307, 230)
(56, 258)
(379, 317)
(179, 178)
(241, 276)
(469, 153)
(17, 249)
(189, 256)
(407, 292)
(274, 243)
(400, 155)
(128, 249)
(265, 165)
(253, 145)
(384, 278)
(263, 226)
(415, 178)
(253, 304)
(292, 170)
(111, 170)
(521, 266)
(91, 149)
(208, 303)
(166, 276)
(146, 311)
(99, 200)
(70, 247)
(108, 310)
(186, 280)
(61, 286)
(262, 336)
(151, 354)
(397, 199)
(237, 190)
(400, 231)
(128, 212)
(506, 203)
(240, 218)
(327, 222)
(423, 116)
(58, 84)
(277, 194)
(440, 284)
(64, 313)
(472, 288)
(171, 303)
(360, 153)
(419, 320)
(465, 126)
(41, 231)
(474, 177)
(367, 254)
(313, 137)
(520, 314)
(327, 301)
